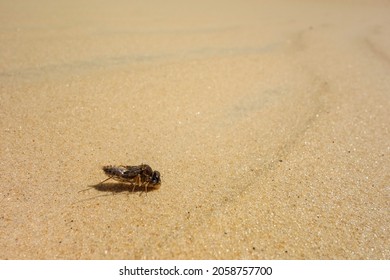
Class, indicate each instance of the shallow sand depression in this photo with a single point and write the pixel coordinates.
(268, 121)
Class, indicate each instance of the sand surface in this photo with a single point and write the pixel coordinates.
(268, 120)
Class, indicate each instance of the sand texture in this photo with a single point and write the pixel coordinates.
(269, 122)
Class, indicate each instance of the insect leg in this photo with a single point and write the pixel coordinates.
(137, 182)
(146, 184)
(106, 180)
(97, 184)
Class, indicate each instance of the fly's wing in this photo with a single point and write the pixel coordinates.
(132, 171)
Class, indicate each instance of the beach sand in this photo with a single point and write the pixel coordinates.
(268, 121)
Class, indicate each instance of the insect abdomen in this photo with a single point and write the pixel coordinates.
(113, 170)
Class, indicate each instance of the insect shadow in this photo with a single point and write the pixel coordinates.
(114, 189)
(117, 188)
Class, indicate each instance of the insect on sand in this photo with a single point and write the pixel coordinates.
(136, 176)
(139, 175)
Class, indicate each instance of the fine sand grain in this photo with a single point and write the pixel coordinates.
(268, 121)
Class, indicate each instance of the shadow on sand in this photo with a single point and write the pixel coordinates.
(115, 188)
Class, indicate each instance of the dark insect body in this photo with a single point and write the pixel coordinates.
(137, 176)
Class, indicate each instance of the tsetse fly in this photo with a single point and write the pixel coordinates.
(137, 176)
